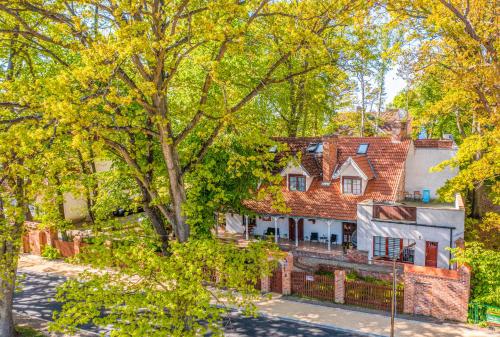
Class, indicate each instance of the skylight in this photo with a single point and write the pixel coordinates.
(363, 148)
(312, 147)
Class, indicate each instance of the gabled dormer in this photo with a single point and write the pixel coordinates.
(355, 172)
(297, 177)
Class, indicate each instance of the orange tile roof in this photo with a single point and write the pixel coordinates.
(387, 159)
(364, 164)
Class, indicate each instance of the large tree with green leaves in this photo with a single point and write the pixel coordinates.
(456, 87)
(152, 85)
(157, 83)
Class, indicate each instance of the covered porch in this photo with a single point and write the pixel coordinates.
(304, 233)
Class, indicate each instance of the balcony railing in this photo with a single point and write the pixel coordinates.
(394, 212)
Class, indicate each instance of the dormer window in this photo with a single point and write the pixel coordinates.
(296, 182)
(351, 185)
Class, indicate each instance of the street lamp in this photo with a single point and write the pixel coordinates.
(393, 299)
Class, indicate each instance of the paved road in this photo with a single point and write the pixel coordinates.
(36, 300)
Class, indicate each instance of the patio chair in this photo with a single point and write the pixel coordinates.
(333, 238)
(314, 237)
(409, 196)
(417, 196)
(270, 231)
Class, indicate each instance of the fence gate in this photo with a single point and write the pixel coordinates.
(375, 296)
(315, 286)
(276, 282)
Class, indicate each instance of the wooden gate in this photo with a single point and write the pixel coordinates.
(275, 280)
(315, 286)
(375, 296)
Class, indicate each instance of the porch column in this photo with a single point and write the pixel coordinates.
(329, 223)
(275, 219)
(296, 231)
(246, 227)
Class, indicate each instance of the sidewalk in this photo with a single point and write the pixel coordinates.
(330, 316)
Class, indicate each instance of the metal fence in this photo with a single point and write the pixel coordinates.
(479, 313)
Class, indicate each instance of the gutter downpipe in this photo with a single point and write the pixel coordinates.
(451, 246)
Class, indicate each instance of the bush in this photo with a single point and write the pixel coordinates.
(51, 253)
(23, 331)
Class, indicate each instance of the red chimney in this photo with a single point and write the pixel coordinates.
(329, 158)
(399, 131)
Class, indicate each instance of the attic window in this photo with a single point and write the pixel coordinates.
(312, 147)
(362, 149)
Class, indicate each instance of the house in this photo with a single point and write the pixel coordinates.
(373, 194)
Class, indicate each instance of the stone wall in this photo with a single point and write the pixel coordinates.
(440, 293)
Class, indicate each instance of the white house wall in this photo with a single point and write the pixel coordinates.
(234, 223)
(75, 208)
(418, 164)
(368, 228)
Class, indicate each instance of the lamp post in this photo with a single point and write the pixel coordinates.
(393, 299)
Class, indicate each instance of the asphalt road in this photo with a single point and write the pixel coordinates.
(36, 300)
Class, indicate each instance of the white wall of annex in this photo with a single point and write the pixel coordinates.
(418, 164)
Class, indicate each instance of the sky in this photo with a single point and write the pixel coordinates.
(394, 84)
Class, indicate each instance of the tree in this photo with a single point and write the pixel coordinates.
(485, 271)
(458, 56)
(200, 67)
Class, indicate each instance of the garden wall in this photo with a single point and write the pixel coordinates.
(440, 293)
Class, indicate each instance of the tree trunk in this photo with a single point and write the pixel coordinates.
(6, 299)
(176, 186)
(157, 220)
(10, 237)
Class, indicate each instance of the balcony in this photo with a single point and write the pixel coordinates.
(395, 212)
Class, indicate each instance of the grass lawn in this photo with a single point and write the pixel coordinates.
(23, 331)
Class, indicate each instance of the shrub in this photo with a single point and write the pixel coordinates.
(51, 253)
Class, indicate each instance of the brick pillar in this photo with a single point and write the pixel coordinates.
(51, 236)
(265, 284)
(339, 286)
(286, 274)
(77, 240)
(464, 276)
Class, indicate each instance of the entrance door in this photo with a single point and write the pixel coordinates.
(291, 229)
(348, 229)
(431, 249)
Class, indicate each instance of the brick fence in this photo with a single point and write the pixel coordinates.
(440, 293)
(35, 240)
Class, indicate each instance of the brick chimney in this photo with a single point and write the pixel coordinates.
(399, 131)
(329, 158)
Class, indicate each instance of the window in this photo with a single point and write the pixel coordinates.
(297, 183)
(351, 185)
(362, 149)
(392, 247)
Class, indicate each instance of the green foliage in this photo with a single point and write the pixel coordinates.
(485, 264)
(23, 331)
(170, 291)
(50, 253)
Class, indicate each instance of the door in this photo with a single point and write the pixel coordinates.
(431, 249)
(347, 230)
(291, 229)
